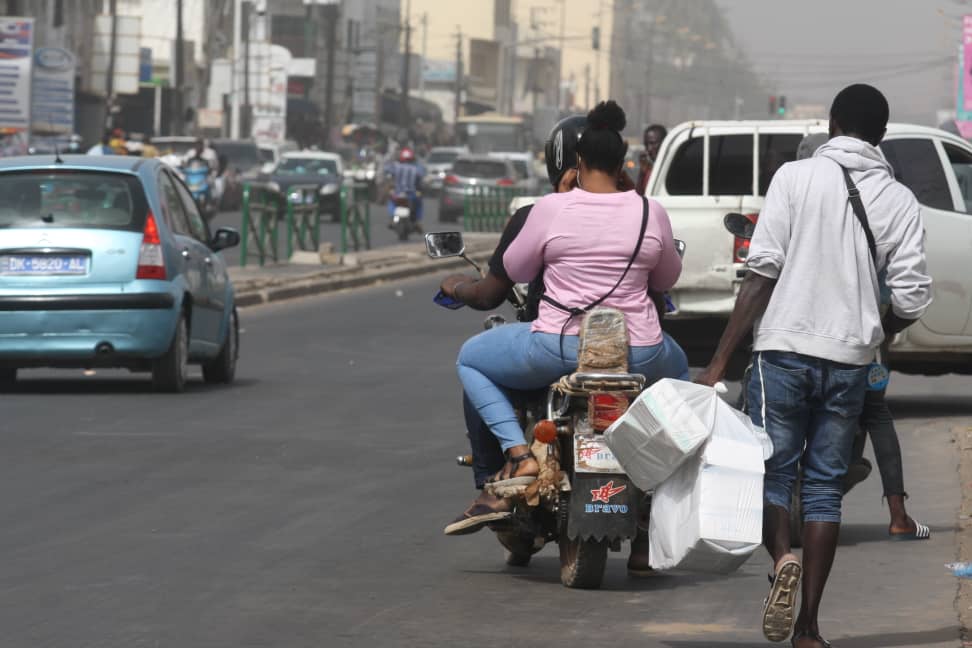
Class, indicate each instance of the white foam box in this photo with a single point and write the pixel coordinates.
(661, 429)
(708, 516)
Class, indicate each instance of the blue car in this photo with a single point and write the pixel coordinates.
(107, 262)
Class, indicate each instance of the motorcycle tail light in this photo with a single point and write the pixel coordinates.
(505, 182)
(451, 180)
(545, 431)
(605, 408)
(740, 246)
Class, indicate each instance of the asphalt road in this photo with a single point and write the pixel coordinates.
(381, 235)
(304, 506)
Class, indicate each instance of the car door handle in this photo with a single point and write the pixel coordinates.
(208, 260)
(185, 253)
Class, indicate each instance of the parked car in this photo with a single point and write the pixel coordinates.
(740, 159)
(271, 152)
(526, 171)
(437, 165)
(470, 171)
(239, 163)
(107, 262)
(325, 171)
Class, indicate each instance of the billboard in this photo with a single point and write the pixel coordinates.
(434, 71)
(16, 49)
(127, 54)
(53, 92)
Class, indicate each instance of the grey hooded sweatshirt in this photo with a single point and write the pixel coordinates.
(826, 300)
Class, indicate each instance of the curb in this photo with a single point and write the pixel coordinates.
(352, 279)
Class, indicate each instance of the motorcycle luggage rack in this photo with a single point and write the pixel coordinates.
(581, 383)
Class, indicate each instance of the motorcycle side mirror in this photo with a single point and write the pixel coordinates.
(739, 225)
(440, 245)
(680, 247)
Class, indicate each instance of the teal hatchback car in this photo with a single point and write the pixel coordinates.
(107, 262)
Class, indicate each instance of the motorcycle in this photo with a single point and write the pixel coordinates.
(403, 219)
(582, 500)
(197, 175)
(742, 226)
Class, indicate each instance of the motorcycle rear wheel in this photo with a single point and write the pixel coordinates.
(582, 562)
(401, 228)
(519, 547)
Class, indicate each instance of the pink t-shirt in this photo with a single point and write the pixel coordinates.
(582, 241)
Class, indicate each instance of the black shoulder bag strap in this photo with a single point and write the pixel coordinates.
(574, 311)
(858, 205)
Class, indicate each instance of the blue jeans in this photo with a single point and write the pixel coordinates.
(415, 202)
(511, 357)
(812, 409)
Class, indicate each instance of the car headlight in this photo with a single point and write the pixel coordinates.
(360, 174)
(329, 188)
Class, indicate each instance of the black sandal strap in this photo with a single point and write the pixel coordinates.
(514, 462)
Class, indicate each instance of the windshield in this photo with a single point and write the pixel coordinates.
(521, 168)
(73, 199)
(244, 155)
(479, 168)
(296, 165)
(178, 148)
(266, 155)
(442, 157)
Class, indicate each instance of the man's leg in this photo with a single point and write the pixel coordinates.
(486, 452)
(779, 389)
(830, 442)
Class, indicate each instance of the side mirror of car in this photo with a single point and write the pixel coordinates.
(739, 225)
(444, 244)
(224, 238)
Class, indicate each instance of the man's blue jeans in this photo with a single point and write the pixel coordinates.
(812, 407)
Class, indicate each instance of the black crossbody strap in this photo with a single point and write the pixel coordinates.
(858, 206)
(574, 311)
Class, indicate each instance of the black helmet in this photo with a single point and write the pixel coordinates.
(561, 147)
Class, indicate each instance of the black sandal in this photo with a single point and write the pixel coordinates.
(804, 634)
(495, 481)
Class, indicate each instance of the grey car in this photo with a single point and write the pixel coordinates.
(437, 165)
(470, 171)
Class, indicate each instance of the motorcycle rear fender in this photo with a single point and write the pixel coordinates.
(602, 507)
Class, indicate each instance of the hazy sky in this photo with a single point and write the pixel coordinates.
(812, 48)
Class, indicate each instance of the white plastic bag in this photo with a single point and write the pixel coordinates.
(661, 429)
(708, 516)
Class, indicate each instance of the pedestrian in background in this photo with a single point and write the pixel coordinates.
(652, 138)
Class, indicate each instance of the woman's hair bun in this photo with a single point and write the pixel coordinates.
(607, 115)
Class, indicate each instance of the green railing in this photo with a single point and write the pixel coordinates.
(486, 209)
(259, 229)
(303, 218)
(355, 218)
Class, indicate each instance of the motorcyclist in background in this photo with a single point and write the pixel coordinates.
(406, 177)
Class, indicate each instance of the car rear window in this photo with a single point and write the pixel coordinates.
(521, 168)
(242, 154)
(730, 164)
(76, 199)
(442, 157)
(479, 168)
(301, 166)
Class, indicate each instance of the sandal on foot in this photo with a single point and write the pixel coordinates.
(512, 480)
(803, 634)
(921, 532)
(778, 606)
(473, 519)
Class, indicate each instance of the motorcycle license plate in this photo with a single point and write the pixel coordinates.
(401, 212)
(592, 455)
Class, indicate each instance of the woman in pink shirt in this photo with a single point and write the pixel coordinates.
(583, 242)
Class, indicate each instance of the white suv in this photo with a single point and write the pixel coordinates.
(708, 169)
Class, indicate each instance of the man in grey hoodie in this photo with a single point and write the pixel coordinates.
(812, 299)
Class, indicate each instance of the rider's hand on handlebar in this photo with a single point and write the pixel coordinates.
(449, 284)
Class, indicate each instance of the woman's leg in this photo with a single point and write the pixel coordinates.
(663, 360)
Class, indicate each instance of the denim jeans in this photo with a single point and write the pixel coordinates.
(812, 407)
(511, 357)
(879, 424)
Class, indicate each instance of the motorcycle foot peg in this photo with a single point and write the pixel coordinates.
(464, 460)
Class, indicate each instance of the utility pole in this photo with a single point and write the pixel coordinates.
(425, 42)
(379, 73)
(234, 81)
(560, 55)
(330, 13)
(247, 128)
(406, 67)
(597, 66)
(177, 90)
(110, 77)
(587, 86)
(458, 102)
(536, 77)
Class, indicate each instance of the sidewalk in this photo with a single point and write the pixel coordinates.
(270, 283)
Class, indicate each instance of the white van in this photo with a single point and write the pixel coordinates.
(707, 169)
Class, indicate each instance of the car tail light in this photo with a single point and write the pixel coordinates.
(151, 259)
(505, 182)
(740, 246)
(451, 180)
(604, 408)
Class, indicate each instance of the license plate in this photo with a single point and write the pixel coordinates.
(16, 264)
(592, 455)
(401, 212)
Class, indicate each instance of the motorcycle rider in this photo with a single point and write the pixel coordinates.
(202, 151)
(519, 356)
(406, 177)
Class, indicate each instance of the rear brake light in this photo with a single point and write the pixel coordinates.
(740, 246)
(451, 180)
(604, 408)
(505, 182)
(151, 259)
